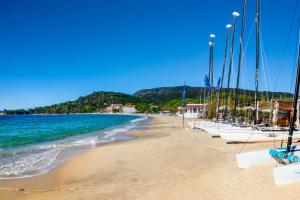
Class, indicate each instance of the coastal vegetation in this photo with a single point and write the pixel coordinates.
(147, 100)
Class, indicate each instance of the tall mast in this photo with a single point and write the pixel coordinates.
(228, 27)
(240, 60)
(296, 94)
(211, 44)
(211, 66)
(257, 58)
(235, 15)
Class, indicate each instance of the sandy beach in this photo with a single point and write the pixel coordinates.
(164, 162)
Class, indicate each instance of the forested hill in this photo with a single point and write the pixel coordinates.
(165, 94)
(95, 102)
(163, 97)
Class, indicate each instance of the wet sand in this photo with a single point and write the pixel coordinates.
(164, 162)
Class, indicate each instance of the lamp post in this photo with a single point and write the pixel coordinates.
(228, 27)
(211, 69)
(257, 59)
(235, 15)
(240, 61)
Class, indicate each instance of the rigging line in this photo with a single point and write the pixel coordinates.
(264, 69)
(219, 71)
(294, 64)
(244, 85)
(245, 49)
(295, 58)
(266, 62)
(247, 90)
(244, 144)
(244, 57)
(288, 39)
(264, 75)
(267, 67)
(298, 44)
(244, 77)
(245, 68)
(250, 35)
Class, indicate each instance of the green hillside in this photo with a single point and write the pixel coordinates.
(164, 98)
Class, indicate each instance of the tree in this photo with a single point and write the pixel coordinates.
(142, 107)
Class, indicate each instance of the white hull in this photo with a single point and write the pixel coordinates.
(284, 174)
(257, 136)
(214, 129)
(287, 174)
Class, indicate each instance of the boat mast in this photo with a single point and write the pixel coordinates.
(228, 27)
(211, 60)
(235, 15)
(257, 59)
(240, 60)
(296, 94)
(211, 67)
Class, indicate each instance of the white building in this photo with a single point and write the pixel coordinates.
(193, 111)
(129, 109)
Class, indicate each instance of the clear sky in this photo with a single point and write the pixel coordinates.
(57, 50)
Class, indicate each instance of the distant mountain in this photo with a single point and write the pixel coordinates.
(165, 94)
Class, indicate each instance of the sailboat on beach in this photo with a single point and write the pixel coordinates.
(229, 129)
(214, 128)
(289, 156)
(258, 133)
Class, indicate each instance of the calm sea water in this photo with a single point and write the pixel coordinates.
(33, 144)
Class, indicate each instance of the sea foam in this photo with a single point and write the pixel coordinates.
(39, 158)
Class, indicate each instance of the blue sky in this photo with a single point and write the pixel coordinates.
(57, 50)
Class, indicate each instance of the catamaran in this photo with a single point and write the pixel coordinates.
(211, 127)
(257, 133)
(289, 156)
(231, 130)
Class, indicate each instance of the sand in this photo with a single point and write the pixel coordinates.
(165, 162)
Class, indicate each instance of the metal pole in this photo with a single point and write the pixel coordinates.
(228, 27)
(240, 61)
(257, 59)
(297, 120)
(183, 104)
(235, 15)
(211, 62)
(296, 94)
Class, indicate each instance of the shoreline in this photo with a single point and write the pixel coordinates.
(20, 185)
(66, 148)
(164, 162)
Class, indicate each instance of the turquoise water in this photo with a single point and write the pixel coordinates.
(32, 144)
(27, 129)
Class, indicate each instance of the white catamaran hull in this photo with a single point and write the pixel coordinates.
(214, 128)
(286, 174)
(257, 136)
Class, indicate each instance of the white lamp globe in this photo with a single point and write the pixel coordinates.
(228, 26)
(236, 14)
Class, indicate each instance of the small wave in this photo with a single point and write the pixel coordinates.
(40, 158)
(116, 131)
(139, 119)
(20, 165)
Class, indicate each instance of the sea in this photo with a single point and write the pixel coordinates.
(34, 144)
